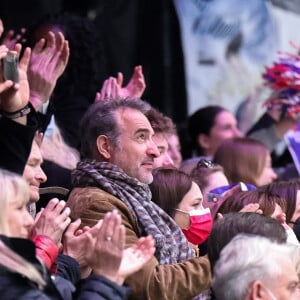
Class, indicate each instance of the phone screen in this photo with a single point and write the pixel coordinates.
(10, 67)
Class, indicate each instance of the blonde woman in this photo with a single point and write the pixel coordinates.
(14, 195)
(24, 276)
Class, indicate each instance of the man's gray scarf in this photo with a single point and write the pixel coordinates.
(171, 244)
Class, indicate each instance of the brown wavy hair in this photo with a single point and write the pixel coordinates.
(243, 159)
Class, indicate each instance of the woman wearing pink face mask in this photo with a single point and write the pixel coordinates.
(177, 194)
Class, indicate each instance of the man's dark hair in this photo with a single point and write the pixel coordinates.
(160, 122)
(100, 119)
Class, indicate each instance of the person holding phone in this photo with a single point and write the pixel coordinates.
(18, 121)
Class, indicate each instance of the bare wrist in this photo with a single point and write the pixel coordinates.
(36, 101)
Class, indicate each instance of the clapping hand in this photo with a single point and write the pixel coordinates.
(102, 248)
(52, 221)
(112, 87)
(48, 61)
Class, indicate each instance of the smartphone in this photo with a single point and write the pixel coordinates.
(10, 67)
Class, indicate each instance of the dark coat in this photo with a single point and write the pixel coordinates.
(14, 286)
(15, 142)
(16, 139)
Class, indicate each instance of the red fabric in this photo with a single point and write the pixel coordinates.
(46, 249)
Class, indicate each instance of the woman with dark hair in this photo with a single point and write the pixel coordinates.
(264, 201)
(178, 195)
(239, 200)
(289, 191)
(209, 126)
(169, 187)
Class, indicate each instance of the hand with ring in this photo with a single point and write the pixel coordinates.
(106, 254)
(107, 240)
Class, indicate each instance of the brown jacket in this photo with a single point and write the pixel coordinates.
(156, 282)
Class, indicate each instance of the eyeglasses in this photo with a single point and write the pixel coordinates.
(205, 163)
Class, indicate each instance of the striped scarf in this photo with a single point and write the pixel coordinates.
(171, 244)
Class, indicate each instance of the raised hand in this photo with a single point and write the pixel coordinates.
(106, 255)
(75, 243)
(52, 221)
(11, 38)
(136, 85)
(112, 87)
(17, 96)
(252, 207)
(91, 250)
(136, 256)
(102, 248)
(48, 61)
(110, 90)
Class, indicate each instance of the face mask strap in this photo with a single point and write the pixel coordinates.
(180, 210)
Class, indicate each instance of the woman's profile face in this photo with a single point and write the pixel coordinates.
(19, 220)
(192, 200)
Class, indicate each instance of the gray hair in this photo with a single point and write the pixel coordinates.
(246, 259)
(100, 119)
(295, 256)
